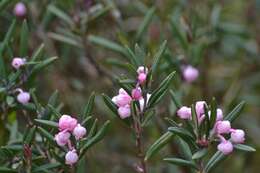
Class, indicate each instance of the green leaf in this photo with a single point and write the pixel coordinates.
(7, 170)
(89, 107)
(46, 167)
(132, 57)
(24, 39)
(46, 123)
(4, 4)
(214, 160)
(243, 147)
(3, 46)
(199, 154)
(53, 98)
(43, 64)
(54, 111)
(66, 39)
(194, 118)
(93, 129)
(140, 54)
(107, 44)
(235, 112)
(148, 116)
(144, 25)
(213, 112)
(178, 34)
(99, 135)
(38, 53)
(28, 138)
(158, 144)
(110, 104)
(61, 14)
(158, 93)
(180, 162)
(158, 56)
(47, 135)
(175, 100)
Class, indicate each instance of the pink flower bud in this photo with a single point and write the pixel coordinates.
(222, 127)
(18, 62)
(142, 69)
(238, 136)
(219, 114)
(66, 122)
(124, 111)
(184, 112)
(122, 98)
(141, 101)
(225, 147)
(62, 138)
(79, 132)
(199, 107)
(137, 93)
(190, 73)
(142, 78)
(23, 97)
(20, 9)
(71, 157)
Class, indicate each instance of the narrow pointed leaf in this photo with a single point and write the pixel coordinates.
(199, 154)
(158, 56)
(89, 107)
(46, 123)
(243, 147)
(214, 160)
(180, 162)
(24, 39)
(235, 112)
(158, 144)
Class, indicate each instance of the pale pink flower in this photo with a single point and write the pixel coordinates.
(124, 111)
(62, 138)
(18, 62)
(20, 9)
(66, 122)
(226, 147)
(79, 132)
(190, 73)
(137, 93)
(71, 157)
(237, 136)
(122, 98)
(23, 97)
(184, 112)
(222, 127)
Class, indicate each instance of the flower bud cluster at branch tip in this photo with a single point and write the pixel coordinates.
(20, 9)
(69, 126)
(221, 127)
(190, 73)
(123, 99)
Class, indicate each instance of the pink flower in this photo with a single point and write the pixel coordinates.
(190, 73)
(184, 112)
(199, 107)
(219, 114)
(66, 122)
(225, 147)
(137, 93)
(71, 157)
(18, 62)
(142, 78)
(62, 138)
(124, 111)
(237, 136)
(141, 101)
(122, 98)
(23, 97)
(142, 69)
(222, 127)
(20, 9)
(79, 132)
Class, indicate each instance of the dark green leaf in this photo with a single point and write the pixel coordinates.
(214, 160)
(46, 123)
(47, 135)
(160, 91)
(158, 56)
(199, 154)
(46, 167)
(175, 100)
(61, 14)
(24, 39)
(158, 144)
(144, 25)
(243, 147)
(180, 162)
(235, 112)
(89, 107)
(7, 170)
(38, 53)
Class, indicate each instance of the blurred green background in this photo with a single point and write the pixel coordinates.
(220, 38)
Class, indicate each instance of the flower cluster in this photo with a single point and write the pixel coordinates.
(221, 127)
(123, 99)
(23, 97)
(69, 126)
